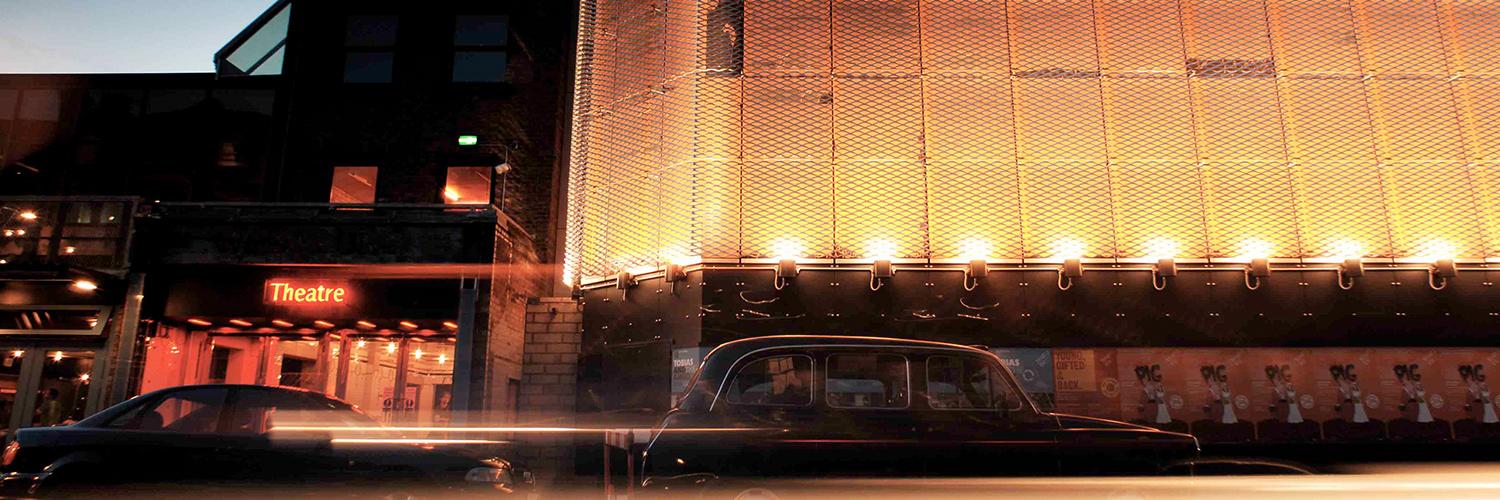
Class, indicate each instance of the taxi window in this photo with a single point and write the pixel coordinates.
(867, 381)
(963, 383)
(773, 381)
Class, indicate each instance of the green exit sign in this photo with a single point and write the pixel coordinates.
(468, 140)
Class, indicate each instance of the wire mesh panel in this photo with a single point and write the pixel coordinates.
(727, 129)
(1065, 210)
(975, 210)
(1433, 212)
(1247, 203)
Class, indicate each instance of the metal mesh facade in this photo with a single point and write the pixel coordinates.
(1019, 129)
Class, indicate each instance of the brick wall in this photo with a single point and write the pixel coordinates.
(549, 383)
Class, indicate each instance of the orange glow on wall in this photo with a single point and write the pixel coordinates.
(1229, 128)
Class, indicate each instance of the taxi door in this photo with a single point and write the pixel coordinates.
(975, 423)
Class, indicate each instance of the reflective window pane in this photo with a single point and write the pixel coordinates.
(371, 31)
(353, 185)
(10, 376)
(429, 376)
(194, 411)
(64, 388)
(776, 381)
(867, 381)
(255, 54)
(368, 67)
(481, 30)
(479, 67)
(467, 186)
(967, 383)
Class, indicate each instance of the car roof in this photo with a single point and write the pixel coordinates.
(109, 413)
(719, 361)
(738, 348)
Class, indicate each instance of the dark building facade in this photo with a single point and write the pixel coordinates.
(359, 201)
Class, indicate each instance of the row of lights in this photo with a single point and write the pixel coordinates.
(1163, 252)
(321, 324)
(30, 216)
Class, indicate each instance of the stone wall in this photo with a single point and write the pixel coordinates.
(549, 383)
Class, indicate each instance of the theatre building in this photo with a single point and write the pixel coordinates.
(371, 306)
(357, 200)
(1258, 220)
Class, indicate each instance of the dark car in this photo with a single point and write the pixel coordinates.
(195, 439)
(821, 406)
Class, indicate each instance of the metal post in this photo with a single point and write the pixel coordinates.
(130, 326)
(463, 351)
(346, 356)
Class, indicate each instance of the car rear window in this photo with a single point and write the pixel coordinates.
(773, 381)
(868, 381)
(964, 383)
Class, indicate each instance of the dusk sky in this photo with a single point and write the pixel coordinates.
(118, 36)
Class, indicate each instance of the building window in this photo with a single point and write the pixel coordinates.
(479, 48)
(258, 50)
(353, 185)
(369, 49)
(467, 186)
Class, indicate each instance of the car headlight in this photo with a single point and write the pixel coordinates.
(489, 475)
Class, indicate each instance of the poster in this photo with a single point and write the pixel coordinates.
(1462, 381)
(1283, 398)
(442, 404)
(1085, 382)
(685, 361)
(1033, 370)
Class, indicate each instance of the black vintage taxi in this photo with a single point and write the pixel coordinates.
(833, 406)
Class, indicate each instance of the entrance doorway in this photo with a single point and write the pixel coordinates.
(45, 387)
(397, 377)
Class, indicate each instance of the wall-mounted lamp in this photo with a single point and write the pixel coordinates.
(1071, 269)
(880, 272)
(1164, 268)
(1441, 271)
(674, 273)
(1352, 268)
(977, 270)
(1259, 268)
(786, 270)
(625, 281)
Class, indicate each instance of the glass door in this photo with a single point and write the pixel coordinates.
(429, 381)
(63, 389)
(10, 387)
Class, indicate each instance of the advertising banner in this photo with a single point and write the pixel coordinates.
(1086, 382)
(1283, 399)
(1462, 381)
(685, 361)
(1033, 370)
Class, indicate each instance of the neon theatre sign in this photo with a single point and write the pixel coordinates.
(285, 292)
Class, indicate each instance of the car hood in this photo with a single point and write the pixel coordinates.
(1069, 421)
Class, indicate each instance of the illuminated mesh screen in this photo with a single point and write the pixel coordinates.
(1034, 129)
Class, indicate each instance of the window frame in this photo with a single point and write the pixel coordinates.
(350, 49)
(927, 384)
(134, 415)
(812, 390)
(374, 183)
(828, 361)
(460, 48)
